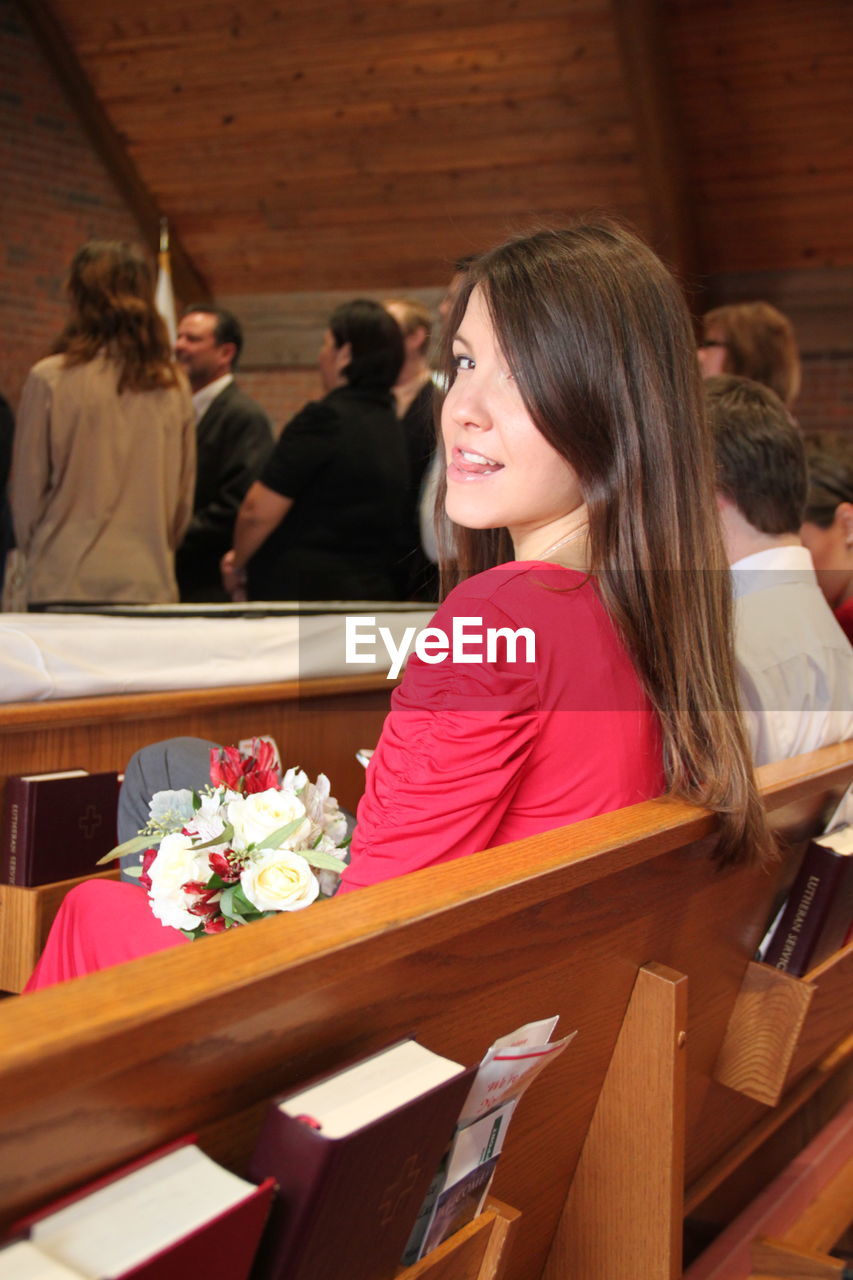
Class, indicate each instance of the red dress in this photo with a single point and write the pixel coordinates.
(473, 753)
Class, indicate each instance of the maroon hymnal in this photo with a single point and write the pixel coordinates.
(175, 1213)
(353, 1156)
(57, 825)
(817, 913)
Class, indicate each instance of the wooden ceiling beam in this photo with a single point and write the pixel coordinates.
(189, 283)
(660, 146)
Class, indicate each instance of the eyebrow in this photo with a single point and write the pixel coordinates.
(459, 336)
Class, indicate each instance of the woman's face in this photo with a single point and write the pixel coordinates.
(501, 471)
(713, 352)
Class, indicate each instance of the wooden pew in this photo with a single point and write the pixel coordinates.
(318, 724)
(621, 924)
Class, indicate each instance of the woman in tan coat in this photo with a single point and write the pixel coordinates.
(104, 462)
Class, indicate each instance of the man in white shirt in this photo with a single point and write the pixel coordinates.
(233, 438)
(794, 662)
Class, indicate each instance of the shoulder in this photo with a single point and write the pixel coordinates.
(316, 413)
(48, 369)
(238, 402)
(526, 588)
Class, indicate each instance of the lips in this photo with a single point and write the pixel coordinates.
(466, 464)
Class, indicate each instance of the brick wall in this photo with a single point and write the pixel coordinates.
(826, 400)
(54, 195)
(282, 392)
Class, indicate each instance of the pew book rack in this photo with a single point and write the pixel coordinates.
(620, 924)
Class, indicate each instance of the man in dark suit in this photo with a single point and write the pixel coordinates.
(234, 441)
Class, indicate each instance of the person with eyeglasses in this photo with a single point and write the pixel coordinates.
(752, 340)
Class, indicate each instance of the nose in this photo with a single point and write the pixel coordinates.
(466, 405)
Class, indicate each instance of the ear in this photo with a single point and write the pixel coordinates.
(228, 352)
(416, 340)
(844, 518)
(343, 356)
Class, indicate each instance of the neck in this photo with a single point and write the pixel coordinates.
(413, 375)
(743, 539)
(195, 385)
(564, 542)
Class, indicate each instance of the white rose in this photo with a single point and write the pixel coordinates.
(257, 816)
(279, 880)
(177, 862)
(172, 912)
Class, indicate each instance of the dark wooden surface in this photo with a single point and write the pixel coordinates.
(100, 1069)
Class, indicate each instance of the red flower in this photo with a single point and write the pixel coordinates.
(206, 904)
(221, 866)
(147, 858)
(246, 773)
(215, 926)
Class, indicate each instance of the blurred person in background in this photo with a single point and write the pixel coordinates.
(326, 519)
(414, 396)
(752, 340)
(827, 528)
(104, 456)
(233, 441)
(7, 436)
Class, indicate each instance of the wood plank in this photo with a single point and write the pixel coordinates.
(789, 1263)
(189, 284)
(317, 724)
(478, 1251)
(657, 122)
(95, 1071)
(828, 1216)
(780, 1205)
(624, 1210)
(25, 919)
(763, 1033)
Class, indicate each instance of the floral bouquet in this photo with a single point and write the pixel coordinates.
(251, 844)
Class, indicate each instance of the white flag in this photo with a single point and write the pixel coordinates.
(164, 297)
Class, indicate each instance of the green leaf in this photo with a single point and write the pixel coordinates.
(275, 838)
(241, 903)
(326, 861)
(192, 934)
(136, 845)
(216, 882)
(196, 802)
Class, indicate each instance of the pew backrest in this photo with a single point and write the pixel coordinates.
(196, 1040)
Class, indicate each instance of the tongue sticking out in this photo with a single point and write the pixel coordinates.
(474, 464)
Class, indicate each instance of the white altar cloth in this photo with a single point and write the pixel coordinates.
(69, 655)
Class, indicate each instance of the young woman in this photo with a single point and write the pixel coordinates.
(104, 458)
(580, 485)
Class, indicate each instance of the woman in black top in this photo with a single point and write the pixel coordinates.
(326, 520)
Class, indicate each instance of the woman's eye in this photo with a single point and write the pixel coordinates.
(463, 362)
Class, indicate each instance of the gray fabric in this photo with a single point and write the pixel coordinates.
(163, 766)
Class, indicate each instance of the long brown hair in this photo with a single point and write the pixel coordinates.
(597, 336)
(111, 292)
(760, 345)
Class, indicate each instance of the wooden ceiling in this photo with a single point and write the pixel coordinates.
(347, 144)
